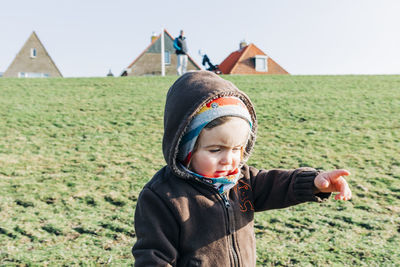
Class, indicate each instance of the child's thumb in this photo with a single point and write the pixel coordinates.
(321, 183)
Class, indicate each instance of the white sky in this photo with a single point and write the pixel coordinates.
(89, 37)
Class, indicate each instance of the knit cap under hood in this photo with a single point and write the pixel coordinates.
(184, 99)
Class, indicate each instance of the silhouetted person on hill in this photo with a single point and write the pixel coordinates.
(207, 61)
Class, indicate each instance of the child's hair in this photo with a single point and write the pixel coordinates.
(217, 122)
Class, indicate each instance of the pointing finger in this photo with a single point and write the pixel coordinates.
(334, 175)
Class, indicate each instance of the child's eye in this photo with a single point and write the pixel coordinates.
(215, 150)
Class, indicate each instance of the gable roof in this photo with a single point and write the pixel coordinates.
(227, 65)
(23, 62)
(153, 43)
(242, 62)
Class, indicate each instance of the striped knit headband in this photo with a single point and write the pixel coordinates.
(220, 107)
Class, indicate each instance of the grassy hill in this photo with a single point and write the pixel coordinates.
(75, 153)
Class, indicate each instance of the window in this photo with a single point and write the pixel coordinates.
(167, 58)
(33, 52)
(261, 63)
(33, 75)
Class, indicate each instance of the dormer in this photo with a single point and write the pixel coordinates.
(261, 63)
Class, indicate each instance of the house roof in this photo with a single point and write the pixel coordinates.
(51, 60)
(33, 39)
(239, 62)
(152, 43)
(227, 65)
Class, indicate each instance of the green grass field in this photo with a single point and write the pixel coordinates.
(75, 153)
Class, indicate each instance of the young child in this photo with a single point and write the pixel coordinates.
(199, 209)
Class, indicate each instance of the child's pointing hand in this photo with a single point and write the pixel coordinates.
(333, 181)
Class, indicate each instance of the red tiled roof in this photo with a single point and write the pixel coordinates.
(227, 65)
(241, 62)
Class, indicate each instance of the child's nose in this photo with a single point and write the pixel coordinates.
(227, 158)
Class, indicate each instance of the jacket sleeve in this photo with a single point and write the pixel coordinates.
(176, 45)
(275, 189)
(157, 232)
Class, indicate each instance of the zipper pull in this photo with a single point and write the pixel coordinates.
(227, 204)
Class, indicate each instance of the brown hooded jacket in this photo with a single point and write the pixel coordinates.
(183, 221)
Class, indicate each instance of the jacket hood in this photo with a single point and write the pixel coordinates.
(184, 99)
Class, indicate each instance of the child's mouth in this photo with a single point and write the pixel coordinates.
(221, 173)
(225, 173)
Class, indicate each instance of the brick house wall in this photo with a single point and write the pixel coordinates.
(24, 62)
(149, 62)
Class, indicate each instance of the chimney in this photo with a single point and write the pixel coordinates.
(153, 37)
(242, 44)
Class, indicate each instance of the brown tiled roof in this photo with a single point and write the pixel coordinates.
(147, 48)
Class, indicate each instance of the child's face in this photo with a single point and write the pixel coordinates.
(219, 149)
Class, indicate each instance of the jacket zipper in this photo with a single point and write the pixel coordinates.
(232, 247)
(227, 206)
(226, 201)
